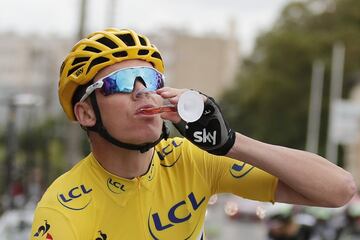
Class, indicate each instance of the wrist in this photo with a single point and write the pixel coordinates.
(226, 147)
(211, 132)
(234, 150)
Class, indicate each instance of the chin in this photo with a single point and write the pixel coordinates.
(145, 136)
(150, 137)
(139, 133)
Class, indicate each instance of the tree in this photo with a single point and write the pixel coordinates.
(269, 100)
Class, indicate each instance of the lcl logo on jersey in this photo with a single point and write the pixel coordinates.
(173, 218)
(115, 186)
(76, 198)
(168, 150)
(42, 230)
(240, 170)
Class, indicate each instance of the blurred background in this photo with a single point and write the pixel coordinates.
(285, 72)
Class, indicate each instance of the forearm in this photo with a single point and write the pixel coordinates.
(304, 178)
(314, 180)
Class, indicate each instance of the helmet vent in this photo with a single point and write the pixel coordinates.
(120, 54)
(79, 60)
(143, 52)
(92, 49)
(142, 41)
(107, 42)
(127, 39)
(156, 55)
(75, 68)
(97, 61)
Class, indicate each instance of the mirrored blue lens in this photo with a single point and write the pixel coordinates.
(123, 81)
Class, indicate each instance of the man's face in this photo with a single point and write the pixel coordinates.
(120, 112)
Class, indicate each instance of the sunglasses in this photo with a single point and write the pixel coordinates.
(123, 81)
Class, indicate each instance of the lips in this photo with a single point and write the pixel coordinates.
(138, 110)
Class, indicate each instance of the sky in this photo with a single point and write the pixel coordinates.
(147, 16)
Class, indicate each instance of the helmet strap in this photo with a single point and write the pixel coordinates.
(102, 131)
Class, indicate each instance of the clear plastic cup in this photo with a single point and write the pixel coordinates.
(189, 107)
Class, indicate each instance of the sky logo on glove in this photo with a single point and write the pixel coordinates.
(205, 137)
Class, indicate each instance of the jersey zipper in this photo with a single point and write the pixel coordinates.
(142, 217)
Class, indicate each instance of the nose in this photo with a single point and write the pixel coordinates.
(139, 90)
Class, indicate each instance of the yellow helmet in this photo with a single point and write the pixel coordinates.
(99, 50)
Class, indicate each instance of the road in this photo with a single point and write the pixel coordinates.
(218, 226)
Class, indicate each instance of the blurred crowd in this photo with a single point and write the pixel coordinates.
(286, 221)
(290, 222)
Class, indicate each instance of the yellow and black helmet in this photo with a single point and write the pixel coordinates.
(99, 50)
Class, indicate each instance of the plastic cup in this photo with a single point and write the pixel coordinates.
(190, 106)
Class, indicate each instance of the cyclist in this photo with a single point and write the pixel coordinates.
(139, 184)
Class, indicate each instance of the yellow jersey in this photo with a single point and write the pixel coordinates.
(167, 203)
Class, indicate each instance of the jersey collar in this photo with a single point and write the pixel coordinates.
(122, 189)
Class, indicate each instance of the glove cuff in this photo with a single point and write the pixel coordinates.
(224, 149)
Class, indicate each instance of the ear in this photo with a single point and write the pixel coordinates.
(85, 114)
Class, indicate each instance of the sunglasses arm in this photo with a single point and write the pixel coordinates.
(91, 88)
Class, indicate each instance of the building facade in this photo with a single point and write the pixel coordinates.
(206, 63)
(30, 65)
